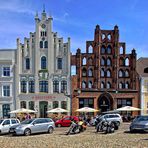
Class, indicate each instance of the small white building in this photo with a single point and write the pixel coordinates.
(7, 83)
(43, 69)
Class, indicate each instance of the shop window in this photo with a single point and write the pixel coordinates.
(23, 104)
(55, 104)
(64, 104)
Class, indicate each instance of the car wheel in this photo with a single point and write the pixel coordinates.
(59, 125)
(146, 131)
(27, 132)
(50, 130)
(132, 130)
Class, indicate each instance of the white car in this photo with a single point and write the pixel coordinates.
(5, 124)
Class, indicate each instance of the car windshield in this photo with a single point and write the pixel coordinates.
(1, 121)
(142, 118)
(28, 121)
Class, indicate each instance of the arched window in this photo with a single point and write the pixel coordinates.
(102, 73)
(121, 61)
(108, 85)
(126, 73)
(84, 61)
(46, 44)
(90, 49)
(120, 85)
(90, 61)
(102, 85)
(126, 62)
(109, 37)
(55, 104)
(127, 85)
(108, 73)
(64, 104)
(41, 44)
(90, 84)
(31, 105)
(43, 62)
(102, 49)
(102, 61)
(90, 72)
(121, 74)
(121, 50)
(108, 62)
(23, 104)
(109, 50)
(83, 84)
(84, 72)
(103, 36)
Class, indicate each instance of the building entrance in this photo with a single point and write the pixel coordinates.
(43, 109)
(105, 102)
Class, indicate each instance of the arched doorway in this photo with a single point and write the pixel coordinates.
(105, 102)
(43, 109)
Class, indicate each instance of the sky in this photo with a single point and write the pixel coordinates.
(77, 19)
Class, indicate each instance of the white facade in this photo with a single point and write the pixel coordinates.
(43, 69)
(7, 84)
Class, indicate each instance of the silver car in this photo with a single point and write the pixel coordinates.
(5, 124)
(31, 126)
(140, 123)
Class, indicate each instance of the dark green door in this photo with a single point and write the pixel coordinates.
(6, 110)
(43, 109)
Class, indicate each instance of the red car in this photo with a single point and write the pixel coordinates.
(66, 121)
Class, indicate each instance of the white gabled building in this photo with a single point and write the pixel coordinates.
(7, 83)
(43, 69)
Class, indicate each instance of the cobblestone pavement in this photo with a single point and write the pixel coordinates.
(88, 139)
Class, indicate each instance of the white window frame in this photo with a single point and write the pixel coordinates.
(9, 90)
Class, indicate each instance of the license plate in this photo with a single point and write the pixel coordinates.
(11, 130)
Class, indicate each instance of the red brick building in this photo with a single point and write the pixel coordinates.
(106, 76)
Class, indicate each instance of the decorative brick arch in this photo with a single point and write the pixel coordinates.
(105, 102)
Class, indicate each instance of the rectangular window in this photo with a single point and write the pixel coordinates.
(6, 90)
(6, 71)
(23, 86)
(31, 86)
(43, 86)
(55, 86)
(63, 86)
(59, 63)
(86, 103)
(124, 102)
(27, 63)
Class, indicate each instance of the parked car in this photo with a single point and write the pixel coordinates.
(109, 117)
(66, 121)
(5, 124)
(31, 126)
(140, 123)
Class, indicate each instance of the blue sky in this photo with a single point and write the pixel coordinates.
(77, 19)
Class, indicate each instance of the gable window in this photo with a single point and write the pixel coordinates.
(84, 61)
(83, 84)
(108, 62)
(108, 73)
(6, 90)
(102, 49)
(6, 71)
(84, 72)
(90, 72)
(43, 62)
(90, 84)
(27, 63)
(90, 49)
(102, 85)
(43, 86)
(103, 61)
(59, 63)
(102, 73)
(109, 50)
(55, 86)
(108, 85)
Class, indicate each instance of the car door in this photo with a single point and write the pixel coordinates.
(36, 126)
(66, 121)
(5, 126)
